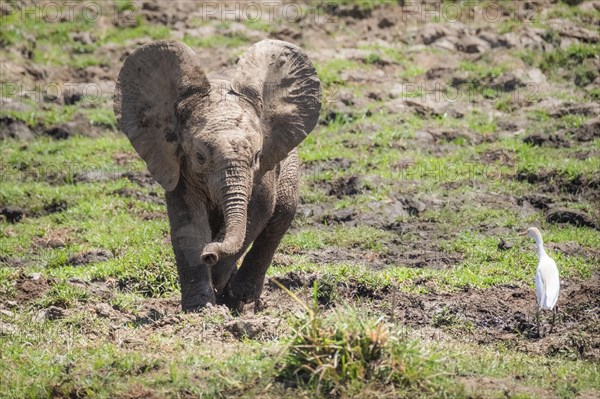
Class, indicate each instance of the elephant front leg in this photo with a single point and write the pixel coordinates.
(190, 232)
(247, 284)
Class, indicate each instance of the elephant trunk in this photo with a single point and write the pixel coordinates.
(234, 198)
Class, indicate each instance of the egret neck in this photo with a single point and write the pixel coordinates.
(540, 245)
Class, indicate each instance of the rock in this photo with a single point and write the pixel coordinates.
(12, 214)
(472, 45)
(35, 276)
(571, 216)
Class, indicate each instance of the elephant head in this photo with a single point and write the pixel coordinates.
(216, 137)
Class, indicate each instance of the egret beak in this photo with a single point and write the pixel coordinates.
(523, 233)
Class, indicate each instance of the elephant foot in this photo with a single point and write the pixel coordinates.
(235, 305)
(239, 293)
(195, 298)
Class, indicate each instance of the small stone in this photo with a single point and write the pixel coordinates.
(36, 276)
(503, 245)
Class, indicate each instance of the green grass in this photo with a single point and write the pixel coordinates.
(217, 41)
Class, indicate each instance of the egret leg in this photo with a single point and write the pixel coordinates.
(554, 311)
(537, 320)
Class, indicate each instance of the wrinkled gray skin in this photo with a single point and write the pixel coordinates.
(225, 152)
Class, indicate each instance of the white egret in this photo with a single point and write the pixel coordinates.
(547, 281)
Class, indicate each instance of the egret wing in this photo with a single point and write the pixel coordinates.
(539, 288)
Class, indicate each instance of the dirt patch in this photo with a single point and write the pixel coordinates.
(30, 288)
(571, 216)
(556, 182)
(90, 256)
(55, 206)
(539, 201)
(343, 186)
(501, 156)
(506, 315)
(482, 386)
(556, 140)
(588, 131)
(152, 196)
(12, 214)
(499, 315)
(431, 258)
(55, 238)
(144, 179)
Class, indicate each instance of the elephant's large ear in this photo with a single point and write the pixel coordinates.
(280, 81)
(154, 80)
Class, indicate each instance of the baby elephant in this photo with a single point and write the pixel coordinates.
(224, 150)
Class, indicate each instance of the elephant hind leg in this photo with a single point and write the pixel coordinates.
(247, 284)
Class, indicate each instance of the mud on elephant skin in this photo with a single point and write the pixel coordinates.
(225, 153)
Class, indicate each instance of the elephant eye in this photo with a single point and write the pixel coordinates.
(256, 158)
(200, 158)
